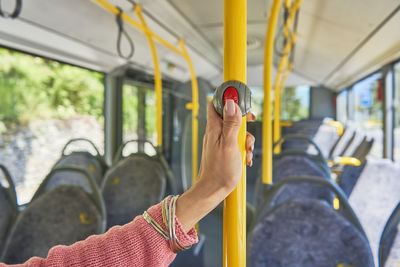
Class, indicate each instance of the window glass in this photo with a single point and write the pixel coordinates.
(368, 115)
(151, 118)
(44, 104)
(139, 117)
(130, 112)
(341, 106)
(295, 103)
(257, 100)
(397, 112)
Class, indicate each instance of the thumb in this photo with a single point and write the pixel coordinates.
(232, 121)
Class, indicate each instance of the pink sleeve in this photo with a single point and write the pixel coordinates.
(133, 244)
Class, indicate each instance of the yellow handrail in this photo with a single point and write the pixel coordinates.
(277, 91)
(157, 75)
(285, 68)
(182, 52)
(106, 5)
(267, 142)
(195, 112)
(338, 126)
(235, 35)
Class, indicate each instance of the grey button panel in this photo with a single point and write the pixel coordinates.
(244, 94)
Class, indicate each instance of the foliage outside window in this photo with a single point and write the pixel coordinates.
(44, 104)
(34, 87)
(295, 103)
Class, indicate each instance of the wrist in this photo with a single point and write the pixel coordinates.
(198, 201)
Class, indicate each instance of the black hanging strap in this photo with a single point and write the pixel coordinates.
(15, 13)
(121, 31)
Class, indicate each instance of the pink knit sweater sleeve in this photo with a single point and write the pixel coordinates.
(133, 244)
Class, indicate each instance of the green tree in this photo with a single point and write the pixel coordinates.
(292, 108)
(34, 87)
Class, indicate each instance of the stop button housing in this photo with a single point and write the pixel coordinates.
(235, 90)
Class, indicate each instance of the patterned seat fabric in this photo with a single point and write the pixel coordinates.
(298, 166)
(307, 233)
(63, 215)
(85, 161)
(8, 212)
(374, 197)
(132, 186)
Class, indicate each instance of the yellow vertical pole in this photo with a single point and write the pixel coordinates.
(279, 83)
(267, 116)
(157, 74)
(195, 112)
(235, 36)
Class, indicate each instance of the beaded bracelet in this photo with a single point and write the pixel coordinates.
(168, 207)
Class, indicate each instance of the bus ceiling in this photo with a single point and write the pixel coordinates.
(336, 46)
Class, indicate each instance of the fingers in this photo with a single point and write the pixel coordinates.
(250, 117)
(231, 122)
(250, 140)
(214, 121)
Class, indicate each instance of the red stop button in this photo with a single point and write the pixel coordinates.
(231, 93)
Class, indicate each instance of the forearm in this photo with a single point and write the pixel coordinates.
(198, 201)
(134, 244)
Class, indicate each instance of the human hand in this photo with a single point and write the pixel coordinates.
(221, 164)
(221, 161)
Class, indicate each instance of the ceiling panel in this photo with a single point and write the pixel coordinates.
(381, 49)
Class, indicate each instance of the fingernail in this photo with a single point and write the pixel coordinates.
(252, 148)
(229, 107)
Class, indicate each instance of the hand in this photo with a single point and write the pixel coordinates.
(221, 161)
(221, 165)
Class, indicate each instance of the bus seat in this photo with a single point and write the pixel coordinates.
(349, 178)
(65, 175)
(375, 195)
(348, 175)
(389, 245)
(341, 142)
(363, 149)
(296, 166)
(131, 186)
(353, 144)
(305, 232)
(62, 215)
(93, 164)
(325, 138)
(8, 205)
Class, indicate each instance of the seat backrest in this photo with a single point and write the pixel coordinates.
(131, 186)
(349, 178)
(325, 138)
(375, 196)
(346, 139)
(306, 232)
(389, 245)
(83, 160)
(363, 149)
(298, 165)
(62, 215)
(353, 144)
(8, 205)
(94, 164)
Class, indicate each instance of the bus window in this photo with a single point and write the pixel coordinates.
(139, 117)
(295, 103)
(257, 100)
(341, 106)
(397, 112)
(367, 100)
(44, 104)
